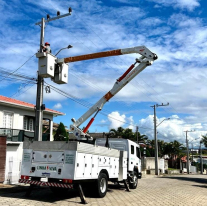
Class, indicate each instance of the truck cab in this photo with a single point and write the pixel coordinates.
(133, 155)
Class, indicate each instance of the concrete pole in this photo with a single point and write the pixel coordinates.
(201, 159)
(155, 137)
(137, 134)
(187, 152)
(156, 146)
(39, 98)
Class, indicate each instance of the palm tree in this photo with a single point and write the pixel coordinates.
(128, 134)
(142, 138)
(204, 140)
(117, 133)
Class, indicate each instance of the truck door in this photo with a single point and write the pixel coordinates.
(132, 157)
(138, 158)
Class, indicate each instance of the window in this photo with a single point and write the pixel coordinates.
(25, 123)
(8, 123)
(138, 152)
(28, 123)
(132, 149)
(8, 120)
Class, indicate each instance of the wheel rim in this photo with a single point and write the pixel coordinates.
(103, 185)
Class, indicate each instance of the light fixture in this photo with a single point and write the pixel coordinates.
(70, 46)
(70, 9)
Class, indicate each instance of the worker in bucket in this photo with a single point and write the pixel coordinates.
(46, 48)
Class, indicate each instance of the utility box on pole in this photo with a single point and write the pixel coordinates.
(46, 64)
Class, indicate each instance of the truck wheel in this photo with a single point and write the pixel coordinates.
(134, 182)
(102, 185)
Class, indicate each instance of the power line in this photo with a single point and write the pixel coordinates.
(88, 105)
(18, 67)
(24, 90)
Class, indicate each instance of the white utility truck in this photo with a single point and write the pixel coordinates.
(71, 164)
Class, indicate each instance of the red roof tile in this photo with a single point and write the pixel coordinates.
(24, 104)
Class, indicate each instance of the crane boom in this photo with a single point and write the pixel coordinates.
(138, 49)
(146, 59)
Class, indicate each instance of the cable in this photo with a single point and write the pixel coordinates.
(86, 104)
(18, 67)
(24, 90)
(122, 61)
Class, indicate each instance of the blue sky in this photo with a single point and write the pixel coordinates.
(175, 30)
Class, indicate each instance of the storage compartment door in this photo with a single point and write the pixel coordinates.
(80, 165)
(39, 156)
(88, 166)
(55, 157)
(95, 161)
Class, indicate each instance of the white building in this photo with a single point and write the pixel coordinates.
(17, 120)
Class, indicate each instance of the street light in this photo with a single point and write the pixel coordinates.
(201, 159)
(187, 149)
(162, 121)
(155, 137)
(192, 148)
(68, 47)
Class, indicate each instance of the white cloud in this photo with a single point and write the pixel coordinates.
(131, 123)
(116, 120)
(181, 4)
(173, 129)
(57, 106)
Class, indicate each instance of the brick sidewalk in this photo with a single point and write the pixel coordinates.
(177, 190)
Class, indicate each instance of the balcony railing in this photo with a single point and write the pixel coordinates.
(18, 135)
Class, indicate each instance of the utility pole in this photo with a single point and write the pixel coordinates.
(137, 134)
(39, 97)
(155, 137)
(201, 159)
(40, 81)
(187, 150)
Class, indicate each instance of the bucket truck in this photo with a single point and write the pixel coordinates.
(71, 164)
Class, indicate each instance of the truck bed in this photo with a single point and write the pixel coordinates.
(72, 160)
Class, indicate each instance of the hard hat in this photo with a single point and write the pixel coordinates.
(47, 43)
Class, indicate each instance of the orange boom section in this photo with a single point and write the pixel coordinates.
(93, 56)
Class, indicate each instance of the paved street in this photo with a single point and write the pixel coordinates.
(176, 190)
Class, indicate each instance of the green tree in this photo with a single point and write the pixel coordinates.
(117, 133)
(204, 140)
(142, 138)
(127, 133)
(61, 133)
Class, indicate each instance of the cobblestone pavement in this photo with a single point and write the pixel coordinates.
(177, 190)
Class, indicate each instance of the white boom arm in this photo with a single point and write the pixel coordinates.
(146, 59)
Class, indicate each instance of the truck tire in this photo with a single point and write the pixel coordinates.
(134, 182)
(102, 185)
